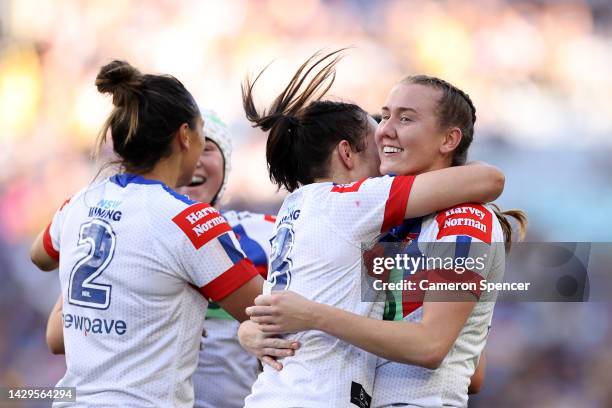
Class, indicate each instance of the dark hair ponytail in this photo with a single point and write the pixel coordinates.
(303, 129)
(147, 112)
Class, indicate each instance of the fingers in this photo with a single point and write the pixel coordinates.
(263, 300)
(280, 343)
(267, 360)
(271, 329)
(275, 352)
(264, 319)
(260, 310)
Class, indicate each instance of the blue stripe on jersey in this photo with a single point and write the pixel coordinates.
(251, 248)
(123, 179)
(462, 247)
(230, 249)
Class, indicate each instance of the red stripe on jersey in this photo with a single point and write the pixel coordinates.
(395, 209)
(270, 218)
(263, 270)
(472, 220)
(48, 244)
(229, 281)
(201, 223)
(65, 202)
(348, 188)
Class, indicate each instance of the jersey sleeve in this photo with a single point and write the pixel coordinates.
(369, 207)
(51, 235)
(210, 255)
(255, 232)
(462, 249)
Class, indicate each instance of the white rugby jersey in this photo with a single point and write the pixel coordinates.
(464, 231)
(316, 252)
(226, 372)
(137, 263)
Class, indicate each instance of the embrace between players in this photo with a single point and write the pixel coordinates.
(157, 267)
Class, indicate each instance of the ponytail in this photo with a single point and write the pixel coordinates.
(303, 129)
(521, 219)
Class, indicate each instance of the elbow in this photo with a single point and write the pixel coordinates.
(496, 184)
(433, 361)
(433, 357)
(56, 350)
(474, 388)
(55, 347)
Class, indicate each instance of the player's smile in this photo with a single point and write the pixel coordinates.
(197, 180)
(390, 150)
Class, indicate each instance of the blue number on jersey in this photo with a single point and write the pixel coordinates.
(280, 268)
(82, 288)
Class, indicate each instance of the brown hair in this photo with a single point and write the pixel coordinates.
(303, 129)
(455, 108)
(147, 112)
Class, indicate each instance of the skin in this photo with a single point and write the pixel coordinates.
(409, 123)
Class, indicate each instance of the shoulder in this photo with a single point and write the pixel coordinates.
(469, 219)
(249, 218)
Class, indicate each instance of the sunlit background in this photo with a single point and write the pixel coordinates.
(538, 72)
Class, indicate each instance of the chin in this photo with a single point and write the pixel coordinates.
(393, 168)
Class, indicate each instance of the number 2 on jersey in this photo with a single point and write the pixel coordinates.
(83, 290)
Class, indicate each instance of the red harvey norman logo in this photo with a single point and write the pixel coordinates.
(201, 223)
(467, 219)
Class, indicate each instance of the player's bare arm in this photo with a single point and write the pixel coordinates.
(236, 302)
(40, 257)
(55, 332)
(424, 343)
(477, 379)
(447, 187)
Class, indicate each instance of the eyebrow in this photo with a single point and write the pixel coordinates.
(400, 109)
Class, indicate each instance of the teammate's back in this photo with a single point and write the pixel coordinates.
(131, 317)
(316, 252)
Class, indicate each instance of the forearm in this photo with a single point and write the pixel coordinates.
(404, 342)
(436, 190)
(55, 332)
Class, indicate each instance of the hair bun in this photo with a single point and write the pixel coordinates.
(119, 79)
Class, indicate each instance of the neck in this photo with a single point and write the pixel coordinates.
(166, 170)
(438, 164)
(338, 178)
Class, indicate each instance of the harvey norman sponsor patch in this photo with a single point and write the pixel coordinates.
(466, 219)
(201, 223)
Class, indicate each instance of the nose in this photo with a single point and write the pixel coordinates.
(200, 162)
(385, 130)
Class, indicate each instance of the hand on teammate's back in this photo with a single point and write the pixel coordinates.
(263, 346)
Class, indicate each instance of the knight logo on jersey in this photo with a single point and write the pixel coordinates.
(201, 223)
(466, 219)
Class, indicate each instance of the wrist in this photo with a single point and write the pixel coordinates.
(318, 315)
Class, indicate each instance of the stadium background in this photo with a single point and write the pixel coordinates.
(538, 72)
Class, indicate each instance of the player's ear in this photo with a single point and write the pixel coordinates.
(451, 140)
(183, 137)
(345, 152)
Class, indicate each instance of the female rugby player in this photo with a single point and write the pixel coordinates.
(430, 353)
(317, 149)
(138, 261)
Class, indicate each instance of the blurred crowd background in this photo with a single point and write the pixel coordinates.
(538, 72)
